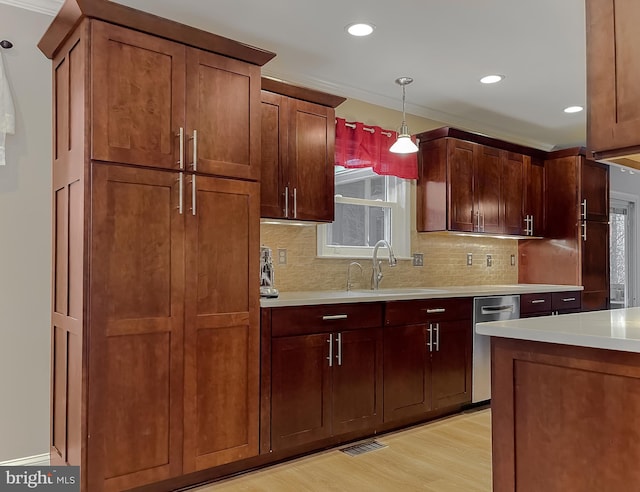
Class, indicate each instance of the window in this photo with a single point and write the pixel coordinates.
(368, 207)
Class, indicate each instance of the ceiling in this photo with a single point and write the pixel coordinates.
(445, 45)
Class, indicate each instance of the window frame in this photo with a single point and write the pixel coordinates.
(400, 230)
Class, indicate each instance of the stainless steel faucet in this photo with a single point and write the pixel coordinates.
(349, 283)
(376, 274)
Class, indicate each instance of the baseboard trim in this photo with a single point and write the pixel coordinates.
(37, 460)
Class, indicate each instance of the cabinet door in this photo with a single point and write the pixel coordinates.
(407, 372)
(135, 340)
(356, 381)
(595, 266)
(137, 97)
(300, 390)
(595, 191)
(223, 107)
(534, 200)
(311, 161)
(222, 322)
(513, 192)
(275, 119)
(487, 189)
(461, 158)
(613, 71)
(451, 363)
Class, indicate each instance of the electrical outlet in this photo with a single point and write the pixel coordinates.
(489, 261)
(469, 259)
(418, 259)
(513, 260)
(282, 256)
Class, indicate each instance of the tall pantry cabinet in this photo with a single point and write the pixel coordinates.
(155, 323)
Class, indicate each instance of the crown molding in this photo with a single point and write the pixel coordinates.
(48, 7)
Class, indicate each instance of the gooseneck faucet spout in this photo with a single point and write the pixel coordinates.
(376, 274)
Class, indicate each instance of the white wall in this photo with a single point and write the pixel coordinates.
(629, 184)
(25, 241)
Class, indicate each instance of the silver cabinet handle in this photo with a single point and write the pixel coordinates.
(568, 299)
(330, 358)
(180, 136)
(584, 209)
(286, 202)
(194, 164)
(531, 225)
(295, 203)
(193, 195)
(437, 327)
(477, 221)
(435, 310)
(538, 301)
(332, 317)
(507, 308)
(430, 344)
(180, 180)
(584, 231)
(482, 222)
(339, 342)
(526, 225)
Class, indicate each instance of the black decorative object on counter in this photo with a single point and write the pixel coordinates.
(6, 44)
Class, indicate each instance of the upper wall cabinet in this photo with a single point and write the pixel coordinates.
(613, 71)
(470, 183)
(173, 97)
(298, 140)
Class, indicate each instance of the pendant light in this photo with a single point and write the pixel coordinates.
(404, 144)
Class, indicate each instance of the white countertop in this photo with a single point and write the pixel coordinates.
(617, 329)
(306, 298)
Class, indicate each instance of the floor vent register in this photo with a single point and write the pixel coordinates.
(363, 447)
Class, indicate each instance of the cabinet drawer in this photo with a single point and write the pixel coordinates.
(561, 301)
(424, 310)
(535, 303)
(300, 320)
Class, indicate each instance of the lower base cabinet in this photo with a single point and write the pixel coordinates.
(427, 356)
(325, 384)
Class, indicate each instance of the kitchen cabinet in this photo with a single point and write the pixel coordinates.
(613, 70)
(550, 303)
(155, 322)
(575, 249)
(472, 183)
(298, 140)
(534, 204)
(427, 357)
(170, 88)
(325, 372)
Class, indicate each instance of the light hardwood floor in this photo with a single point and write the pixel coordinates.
(451, 454)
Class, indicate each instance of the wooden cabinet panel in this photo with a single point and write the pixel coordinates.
(613, 70)
(311, 161)
(513, 181)
(461, 159)
(273, 181)
(451, 364)
(300, 390)
(222, 336)
(534, 206)
(419, 311)
(135, 419)
(487, 189)
(223, 106)
(562, 197)
(535, 304)
(138, 88)
(407, 372)
(595, 191)
(325, 318)
(298, 141)
(564, 302)
(595, 266)
(357, 381)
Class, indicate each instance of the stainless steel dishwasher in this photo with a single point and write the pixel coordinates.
(494, 308)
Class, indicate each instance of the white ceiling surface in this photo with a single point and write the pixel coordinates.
(445, 45)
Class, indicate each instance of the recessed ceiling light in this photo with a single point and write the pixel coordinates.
(573, 109)
(491, 79)
(360, 29)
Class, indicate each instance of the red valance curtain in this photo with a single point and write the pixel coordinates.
(358, 145)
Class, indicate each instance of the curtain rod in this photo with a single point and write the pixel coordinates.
(6, 44)
(370, 130)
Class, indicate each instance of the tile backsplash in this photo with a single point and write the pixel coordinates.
(445, 262)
